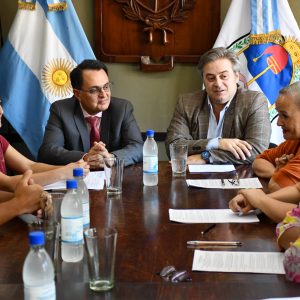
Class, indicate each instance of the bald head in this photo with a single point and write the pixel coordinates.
(288, 108)
(292, 92)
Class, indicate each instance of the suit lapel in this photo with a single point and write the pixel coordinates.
(203, 118)
(104, 127)
(82, 128)
(229, 118)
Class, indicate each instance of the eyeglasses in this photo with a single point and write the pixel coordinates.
(96, 90)
(169, 273)
(235, 180)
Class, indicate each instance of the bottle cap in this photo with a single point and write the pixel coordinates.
(77, 172)
(71, 184)
(36, 238)
(150, 132)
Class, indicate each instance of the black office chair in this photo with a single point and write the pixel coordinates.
(272, 145)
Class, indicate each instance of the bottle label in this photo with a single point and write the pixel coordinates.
(86, 214)
(72, 229)
(150, 164)
(45, 292)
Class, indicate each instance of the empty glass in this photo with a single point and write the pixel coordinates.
(101, 254)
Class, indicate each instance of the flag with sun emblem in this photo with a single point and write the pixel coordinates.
(45, 42)
(265, 35)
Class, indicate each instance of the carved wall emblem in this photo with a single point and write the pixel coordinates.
(157, 14)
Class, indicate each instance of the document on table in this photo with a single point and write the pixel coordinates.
(207, 168)
(93, 181)
(289, 298)
(244, 183)
(209, 216)
(28, 218)
(233, 261)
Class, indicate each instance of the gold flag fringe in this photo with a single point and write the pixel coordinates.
(57, 6)
(26, 5)
(264, 38)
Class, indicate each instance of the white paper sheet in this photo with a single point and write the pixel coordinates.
(244, 183)
(293, 298)
(211, 168)
(93, 181)
(232, 261)
(209, 216)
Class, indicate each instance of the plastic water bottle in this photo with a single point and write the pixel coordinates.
(84, 196)
(150, 160)
(71, 225)
(38, 270)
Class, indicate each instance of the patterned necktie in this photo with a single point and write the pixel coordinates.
(95, 133)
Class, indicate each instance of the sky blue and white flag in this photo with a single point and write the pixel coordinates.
(45, 42)
(265, 35)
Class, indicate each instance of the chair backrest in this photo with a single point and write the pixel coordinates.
(272, 145)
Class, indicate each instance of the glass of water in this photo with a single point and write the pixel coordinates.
(178, 153)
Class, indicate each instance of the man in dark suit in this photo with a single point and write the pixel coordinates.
(69, 135)
(223, 123)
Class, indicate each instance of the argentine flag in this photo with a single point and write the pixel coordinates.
(46, 41)
(265, 36)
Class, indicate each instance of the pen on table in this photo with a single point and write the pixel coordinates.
(194, 247)
(211, 226)
(214, 243)
(237, 178)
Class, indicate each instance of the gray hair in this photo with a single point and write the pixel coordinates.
(219, 53)
(293, 91)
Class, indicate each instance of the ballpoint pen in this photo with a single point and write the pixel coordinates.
(208, 229)
(214, 243)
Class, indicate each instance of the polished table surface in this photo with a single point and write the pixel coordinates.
(148, 241)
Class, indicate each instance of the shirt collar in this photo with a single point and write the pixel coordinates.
(225, 107)
(86, 114)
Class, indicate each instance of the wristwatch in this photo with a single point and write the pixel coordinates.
(205, 155)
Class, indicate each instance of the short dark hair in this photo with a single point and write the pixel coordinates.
(219, 53)
(87, 64)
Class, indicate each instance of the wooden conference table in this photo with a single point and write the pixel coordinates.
(148, 241)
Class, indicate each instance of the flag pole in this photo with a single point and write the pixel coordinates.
(1, 35)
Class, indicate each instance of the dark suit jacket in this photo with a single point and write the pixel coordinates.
(247, 118)
(67, 138)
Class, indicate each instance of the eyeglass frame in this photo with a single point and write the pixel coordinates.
(169, 273)
(235, 180)
(96, 90)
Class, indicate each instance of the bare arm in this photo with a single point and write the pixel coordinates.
(5, 196)
(263, 168)
(8, 183)
(43, 173)
(60, 173)
(288, 237)
(19, 163)
(255, 198)
(273, 186)
(290, 194)
(26, 199)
